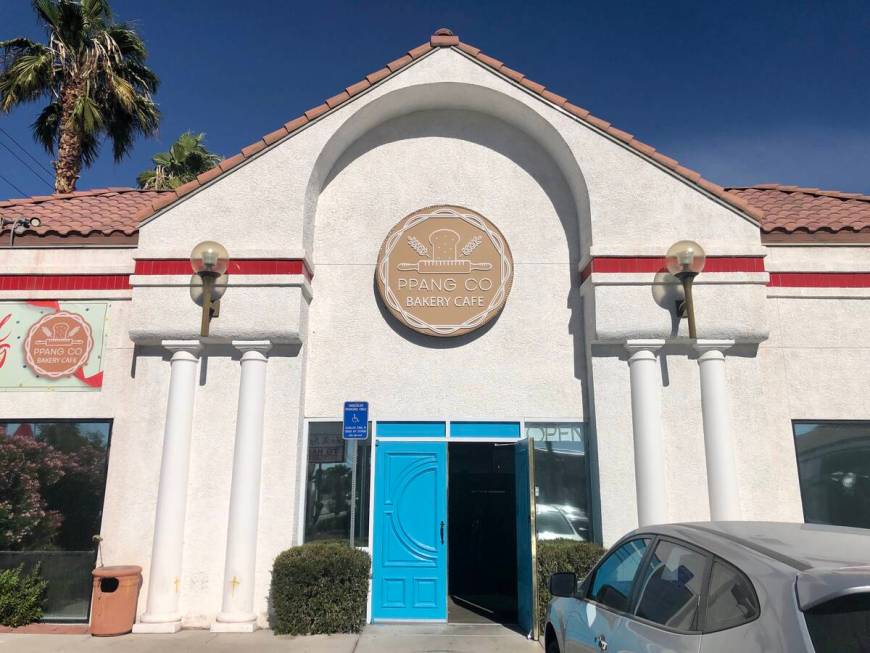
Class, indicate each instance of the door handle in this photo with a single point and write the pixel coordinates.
(602, 643)
(442, 532)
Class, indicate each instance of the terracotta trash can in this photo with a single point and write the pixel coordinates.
(116, 593)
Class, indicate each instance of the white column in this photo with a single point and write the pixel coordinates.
(646, 419)
(721, 470)
(164, 582)
(237, 610)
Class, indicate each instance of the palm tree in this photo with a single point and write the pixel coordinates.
(187, 158)
(93, 72)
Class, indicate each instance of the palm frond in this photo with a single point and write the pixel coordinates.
(45, 127)
(28, 77)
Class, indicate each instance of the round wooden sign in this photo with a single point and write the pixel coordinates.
(444, 271)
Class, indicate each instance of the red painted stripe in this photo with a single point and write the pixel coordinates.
(65, 282)
(236, 266)
(653, 264)
(820, 279)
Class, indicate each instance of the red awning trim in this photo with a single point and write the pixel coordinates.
(652, 264)
(820, 279)
(237, 266)
(65, 282)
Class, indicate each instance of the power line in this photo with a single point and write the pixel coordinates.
(20, 192)
(27, 165)
(23, 149)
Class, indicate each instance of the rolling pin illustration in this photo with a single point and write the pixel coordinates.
(445, 259)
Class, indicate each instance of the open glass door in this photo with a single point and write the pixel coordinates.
(527, 588)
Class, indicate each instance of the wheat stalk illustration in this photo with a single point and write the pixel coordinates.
(471, 245)
(417, 246)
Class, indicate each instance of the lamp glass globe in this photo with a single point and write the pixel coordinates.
(685, 256)
(209, 256)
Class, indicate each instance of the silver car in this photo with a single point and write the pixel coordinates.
(719, 587)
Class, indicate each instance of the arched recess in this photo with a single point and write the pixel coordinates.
(456, 96)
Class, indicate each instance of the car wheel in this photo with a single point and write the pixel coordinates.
(552, 645)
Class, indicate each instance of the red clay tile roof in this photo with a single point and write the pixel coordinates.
(444, 38)
(103, 211)
(790, 209)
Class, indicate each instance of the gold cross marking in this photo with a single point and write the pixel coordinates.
(176, 582)
(235, 582)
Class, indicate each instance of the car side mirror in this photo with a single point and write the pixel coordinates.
(563, 584)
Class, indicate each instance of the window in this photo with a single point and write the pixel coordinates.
(337, 485)
(561, 480)
(613, 579)
(841, 625)
(834, 470)
(731, 599)
(671, 587)
(52, 482)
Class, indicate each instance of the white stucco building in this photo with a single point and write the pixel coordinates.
(211, 471)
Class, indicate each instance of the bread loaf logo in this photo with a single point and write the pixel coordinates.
(58, 344)
(444, 271)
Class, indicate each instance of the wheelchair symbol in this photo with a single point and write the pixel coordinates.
(354, 419)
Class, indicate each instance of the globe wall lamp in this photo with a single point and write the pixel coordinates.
(209, 261)
(685, 260)
(19, 226)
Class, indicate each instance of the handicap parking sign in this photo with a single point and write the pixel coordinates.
(356, 420)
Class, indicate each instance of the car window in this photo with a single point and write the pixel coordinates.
(731, 599)
(613, 579)
(670, 586)
(841, 625)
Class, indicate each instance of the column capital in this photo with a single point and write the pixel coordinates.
(193, 347)
(643, 348)
(258, 346)
(712, 348)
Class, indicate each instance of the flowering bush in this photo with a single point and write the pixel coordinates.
(51, 488)
(26, 467)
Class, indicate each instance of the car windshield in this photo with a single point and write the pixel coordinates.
(841, 625)
(552, 521)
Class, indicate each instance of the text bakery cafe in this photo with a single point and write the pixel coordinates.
(559, 331)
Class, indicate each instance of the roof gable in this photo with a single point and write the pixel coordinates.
(444, 38)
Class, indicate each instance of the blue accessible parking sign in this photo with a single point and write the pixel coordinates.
(356, 420)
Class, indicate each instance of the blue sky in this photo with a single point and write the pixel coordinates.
(743, 92)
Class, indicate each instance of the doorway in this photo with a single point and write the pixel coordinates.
(482, 542)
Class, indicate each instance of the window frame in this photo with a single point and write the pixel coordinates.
(584, 592)
(590, 578)
(302, 500)
(794, 440)
(110, 421)
(740, 572)
(705, 586)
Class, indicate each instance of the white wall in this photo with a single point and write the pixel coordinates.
(527, 363)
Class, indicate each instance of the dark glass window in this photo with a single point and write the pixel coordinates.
(670, 589)
(731, 599)
(834, 469)
(338, 485)
(52, 482)
(841, 625)
(613, 579)
(561, 480)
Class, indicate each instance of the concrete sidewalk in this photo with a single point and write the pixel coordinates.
(374, 639)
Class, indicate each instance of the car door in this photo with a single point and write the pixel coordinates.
(592, 619)
(666, 614)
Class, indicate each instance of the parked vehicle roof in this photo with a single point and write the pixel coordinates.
(797, 545)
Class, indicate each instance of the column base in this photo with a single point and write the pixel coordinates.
(235, 627)
(160, 628)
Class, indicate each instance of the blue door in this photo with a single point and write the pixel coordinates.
(409, 566)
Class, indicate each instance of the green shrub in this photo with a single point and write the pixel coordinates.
(562, 555)
(22, 596)
(320, 587)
